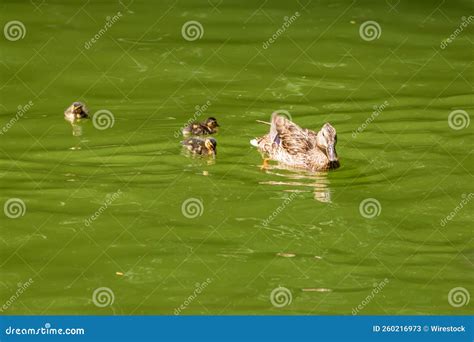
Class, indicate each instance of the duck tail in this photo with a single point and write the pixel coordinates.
(254, 142)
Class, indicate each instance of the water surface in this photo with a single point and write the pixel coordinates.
(255, 230)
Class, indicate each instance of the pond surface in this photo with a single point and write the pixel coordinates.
(119, 221)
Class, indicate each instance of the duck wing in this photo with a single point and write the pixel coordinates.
(291, 137)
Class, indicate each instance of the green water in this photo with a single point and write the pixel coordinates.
(258, 229)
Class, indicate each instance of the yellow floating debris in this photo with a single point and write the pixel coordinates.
(286, 255)
(317, 289)
(119, 273)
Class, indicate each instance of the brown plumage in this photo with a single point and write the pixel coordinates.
(298, 147)
(201, 128)
(200, 146)
(76, 112)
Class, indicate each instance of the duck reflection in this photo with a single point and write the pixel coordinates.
(301, 181)
(76, 129)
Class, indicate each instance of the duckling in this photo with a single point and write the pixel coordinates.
(294, 146)
(200, 146)
(201, 128)
(76, 112)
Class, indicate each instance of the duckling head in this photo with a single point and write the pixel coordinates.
(211, 145)
(326, 141)
(79, 109)
(211, 123)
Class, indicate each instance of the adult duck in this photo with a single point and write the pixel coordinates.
(298, 147)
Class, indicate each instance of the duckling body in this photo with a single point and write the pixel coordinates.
(200, 146)
(298, 147)
(201, 128)
(76, 112)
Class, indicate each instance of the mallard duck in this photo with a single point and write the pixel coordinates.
(201, 146)
(297, 147)
(201, 128)
(76, 112)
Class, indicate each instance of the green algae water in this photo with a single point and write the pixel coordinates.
(110, 217)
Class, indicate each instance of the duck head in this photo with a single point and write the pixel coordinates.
(79, 110)
(326, 141)
(211, 123)
(211, 145)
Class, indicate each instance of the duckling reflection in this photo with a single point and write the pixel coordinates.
(200, 149)
(76, 129)
(298, 181)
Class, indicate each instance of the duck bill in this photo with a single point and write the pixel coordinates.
(331, 153)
